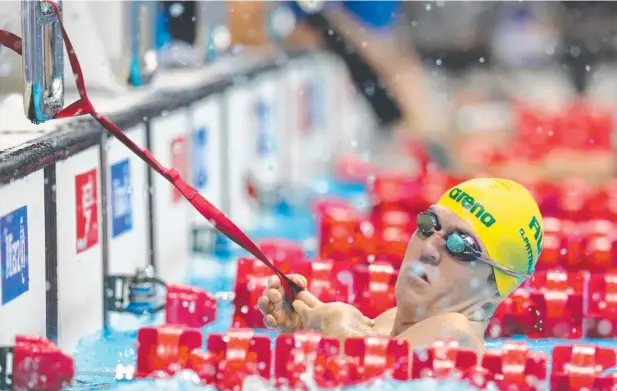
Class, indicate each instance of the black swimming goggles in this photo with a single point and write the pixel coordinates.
(460, 246)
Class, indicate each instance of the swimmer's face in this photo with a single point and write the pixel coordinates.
(432, 280)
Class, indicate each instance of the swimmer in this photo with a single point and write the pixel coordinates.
(471, 249)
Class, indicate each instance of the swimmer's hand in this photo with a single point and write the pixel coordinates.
(336, 320)
(277, 313)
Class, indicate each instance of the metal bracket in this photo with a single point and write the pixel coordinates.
(137, 294)
(6, 368)
(43, 60)
(203, 240)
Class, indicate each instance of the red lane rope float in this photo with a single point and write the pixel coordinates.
(83, 106)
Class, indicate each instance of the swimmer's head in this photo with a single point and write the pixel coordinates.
(477, 244)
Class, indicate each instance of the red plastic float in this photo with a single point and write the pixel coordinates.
(38, 364)
(165, 349)
(601, 315)
(515, 366)
(581, 367)
(239, 353)
(189, 306)
(374, 288)
(378, 357)
(444, 360)
(300, 353)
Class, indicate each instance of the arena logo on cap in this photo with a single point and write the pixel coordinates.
(469, 203)
(14, 254)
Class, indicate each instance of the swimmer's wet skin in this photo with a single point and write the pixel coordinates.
(475, 246)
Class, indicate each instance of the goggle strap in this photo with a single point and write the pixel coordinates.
(206, 209)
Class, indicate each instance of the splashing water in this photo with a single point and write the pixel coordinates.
(187, 381)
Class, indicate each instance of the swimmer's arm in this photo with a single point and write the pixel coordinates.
(446, 326)
(344, 324)
(397, 64)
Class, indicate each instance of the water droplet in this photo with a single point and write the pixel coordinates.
(176, 9)
(605, 327)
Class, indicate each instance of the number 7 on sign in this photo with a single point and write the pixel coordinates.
(86, 210)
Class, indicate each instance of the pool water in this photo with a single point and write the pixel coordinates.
(99, 356)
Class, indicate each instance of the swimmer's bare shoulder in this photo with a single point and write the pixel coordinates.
(446, 326)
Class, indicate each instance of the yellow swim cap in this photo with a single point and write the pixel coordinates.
(506, 218)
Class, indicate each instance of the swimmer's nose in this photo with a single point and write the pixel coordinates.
(430, 251)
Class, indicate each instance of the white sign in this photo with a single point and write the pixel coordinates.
(241, 147)
(127, 196)
(80, 264)
(23, 282)
(207, 154)
(309, 142)
(168, 136)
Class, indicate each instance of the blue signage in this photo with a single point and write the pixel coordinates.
(14, 254)
(121, 199)
(200, 156)
(314, 102)
(265, 142)
(317, 104)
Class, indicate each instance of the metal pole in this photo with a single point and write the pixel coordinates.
(43, 60)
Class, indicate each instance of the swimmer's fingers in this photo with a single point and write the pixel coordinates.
(308, 298)
(299, 279)
(276, 307)
(304, 311)
(263, 303)
(270, 322)
(274, 282)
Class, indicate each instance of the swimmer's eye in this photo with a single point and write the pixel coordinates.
(427, 223)
(471, 242)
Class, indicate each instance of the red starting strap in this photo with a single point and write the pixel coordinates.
(83, 106)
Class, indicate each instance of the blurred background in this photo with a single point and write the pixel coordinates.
(240, 99)
(520, 89)
(493, 85)
(505, 88)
